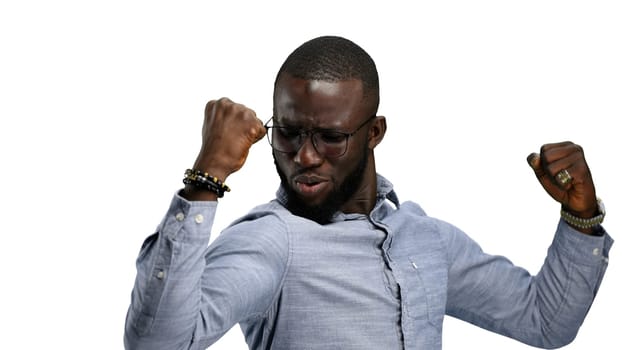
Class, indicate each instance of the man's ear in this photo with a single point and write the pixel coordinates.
(377, 131)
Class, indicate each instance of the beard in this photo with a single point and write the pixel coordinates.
(323, 213)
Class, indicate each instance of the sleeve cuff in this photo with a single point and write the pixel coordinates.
(580, 247)
(188, 220)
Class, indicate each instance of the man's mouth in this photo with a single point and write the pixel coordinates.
(309, 184)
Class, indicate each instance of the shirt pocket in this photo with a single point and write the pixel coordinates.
(424, 288)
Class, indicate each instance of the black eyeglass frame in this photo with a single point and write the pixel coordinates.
(303, 134)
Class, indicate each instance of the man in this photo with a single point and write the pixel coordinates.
(336, 261)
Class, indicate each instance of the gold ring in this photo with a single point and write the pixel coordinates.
(563, 177)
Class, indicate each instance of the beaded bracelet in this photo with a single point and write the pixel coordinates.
(205, 181)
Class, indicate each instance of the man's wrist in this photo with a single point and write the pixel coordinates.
(589, 225)
(193, 193)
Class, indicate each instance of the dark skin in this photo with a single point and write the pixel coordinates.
(579, 195)
(306, 104)
(328, 105)
(230, 129)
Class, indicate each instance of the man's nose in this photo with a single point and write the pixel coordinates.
(307, 155)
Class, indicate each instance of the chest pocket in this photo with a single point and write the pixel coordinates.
(424, 287)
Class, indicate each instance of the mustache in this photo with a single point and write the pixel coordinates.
(308, 179)
(308, 174)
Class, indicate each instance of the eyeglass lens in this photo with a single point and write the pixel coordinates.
(328, 143)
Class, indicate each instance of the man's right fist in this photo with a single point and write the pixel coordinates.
(229, 131)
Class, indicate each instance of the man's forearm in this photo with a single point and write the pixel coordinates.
(165, 299)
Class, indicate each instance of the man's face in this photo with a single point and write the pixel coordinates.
(317, 186)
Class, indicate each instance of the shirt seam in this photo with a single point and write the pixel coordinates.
(290, 253)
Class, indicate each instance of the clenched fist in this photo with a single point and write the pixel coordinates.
(563, 172)
(229, 131)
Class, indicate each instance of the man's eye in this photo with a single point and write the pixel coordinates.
(288, 133)
(332, 137)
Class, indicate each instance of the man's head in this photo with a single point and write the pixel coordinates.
(326, 97)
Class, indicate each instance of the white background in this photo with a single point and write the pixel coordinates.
(101, 109)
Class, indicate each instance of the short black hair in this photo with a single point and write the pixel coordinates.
(333, 58)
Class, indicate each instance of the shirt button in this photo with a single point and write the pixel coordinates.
(596, 251)
(160, 275)
(180, 217)
(198, 218)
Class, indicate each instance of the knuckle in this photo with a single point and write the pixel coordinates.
(224, 101)
(256, 128)
(245, 114)
(224, 104)
(254, 132)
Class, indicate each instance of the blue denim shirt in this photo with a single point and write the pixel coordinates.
(383, 281)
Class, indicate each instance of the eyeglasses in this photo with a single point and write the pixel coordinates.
(327, 142)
